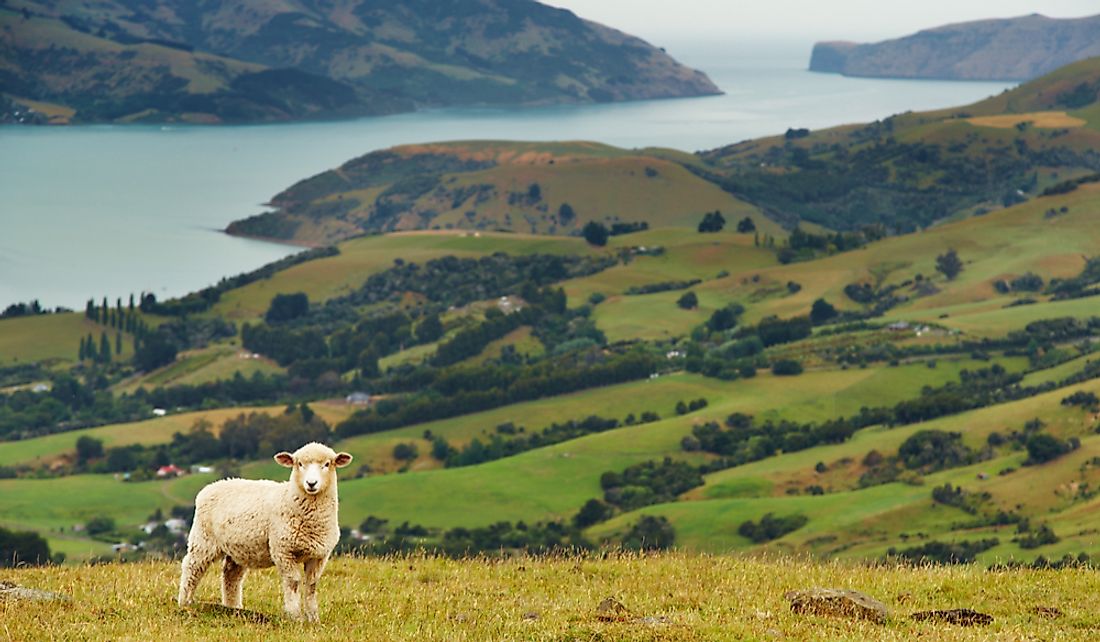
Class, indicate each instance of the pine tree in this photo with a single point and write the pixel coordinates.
(106, 310)
(83, 349)
(89, 310)
(131, 302)
(118, 343)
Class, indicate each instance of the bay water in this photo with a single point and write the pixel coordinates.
(93, 211)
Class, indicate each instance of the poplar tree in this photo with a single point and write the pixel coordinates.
(104, 348)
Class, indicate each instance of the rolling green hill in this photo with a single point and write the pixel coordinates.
(535, 188)
(836, 400)
(263, 60)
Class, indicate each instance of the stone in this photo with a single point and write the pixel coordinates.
(531, 616)
(961, 617)
(839, 603)
(1052, 612)
(612, 610)
(10, 591)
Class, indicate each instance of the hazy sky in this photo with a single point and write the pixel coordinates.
(676, 20)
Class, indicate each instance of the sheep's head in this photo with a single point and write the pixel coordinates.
(313, 467)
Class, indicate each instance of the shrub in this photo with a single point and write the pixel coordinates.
(935, 552)
(786, 368)
(22, 547)
(285, 307)
(99, 525)
(771, 527)
(930, 450)
(688, 301)
(822, 311)
(594, 511)
(1042, 448)
(595, 233)
(650, 534)
(406, 452)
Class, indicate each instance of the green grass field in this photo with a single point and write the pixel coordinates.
(52, 337)
(675, 598)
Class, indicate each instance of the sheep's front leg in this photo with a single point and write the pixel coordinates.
(291, 573)
(313, 570)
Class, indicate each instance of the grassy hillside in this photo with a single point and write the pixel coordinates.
(536, 188)
(126, 61)
(913, 170)
(667, 597)
(50, 337)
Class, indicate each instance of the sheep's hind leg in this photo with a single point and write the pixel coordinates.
(313, 570)
(291, 573)
(194, 566)
(232, 583)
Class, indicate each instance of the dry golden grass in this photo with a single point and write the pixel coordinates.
(668, 597)
(1042, 119)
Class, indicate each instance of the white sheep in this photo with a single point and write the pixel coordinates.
(255, 524)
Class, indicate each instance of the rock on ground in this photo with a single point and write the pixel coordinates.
(10, 591)
(838, 602)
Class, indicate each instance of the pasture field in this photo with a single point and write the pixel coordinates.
(329, 277)
(214, 363)
(1000, 245)
(546, 483)
(554, 481)
(670, 597)
(1042, 119)
(50, 337)
(158, 430)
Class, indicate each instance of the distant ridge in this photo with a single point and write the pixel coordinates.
(1002, 49)
(268, 60)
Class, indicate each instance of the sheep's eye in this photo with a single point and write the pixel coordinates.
(327, 464)
(299, 464)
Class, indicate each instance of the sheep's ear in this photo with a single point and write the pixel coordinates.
(342, 459)
(285, 459)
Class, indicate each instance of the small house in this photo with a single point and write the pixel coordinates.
(159, 412)
(175, 525)
(358, 399)
(171, 470)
